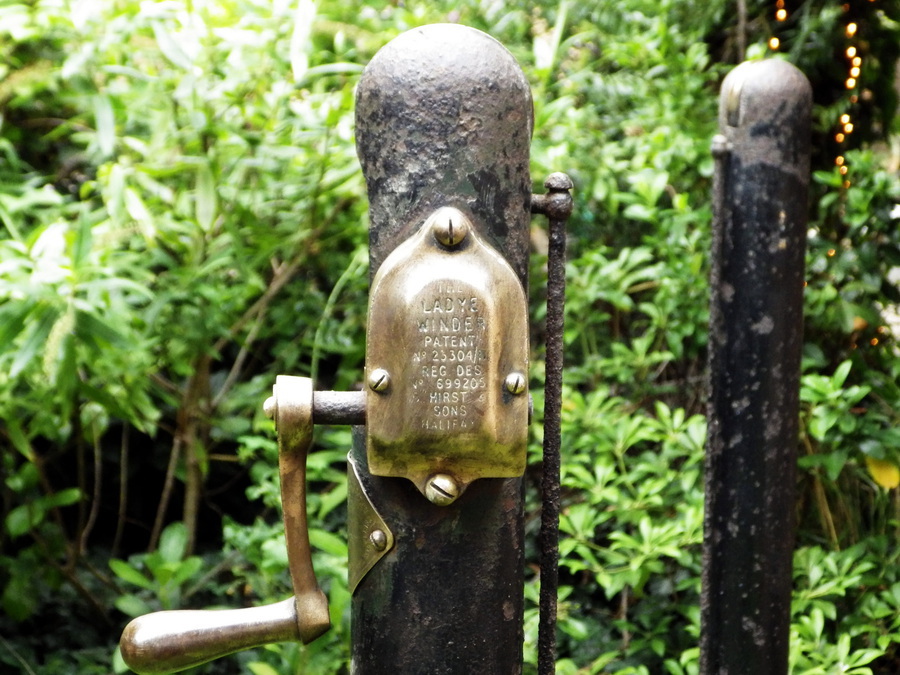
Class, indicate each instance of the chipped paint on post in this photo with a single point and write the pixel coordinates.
(756, 319)
(444, 118)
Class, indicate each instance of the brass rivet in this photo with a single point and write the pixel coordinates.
(449, 226)
(441, 489)
(270, 406)
(515, 383)
(379, 380)
(378, 539)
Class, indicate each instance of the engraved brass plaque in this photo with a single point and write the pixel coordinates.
(447, 361)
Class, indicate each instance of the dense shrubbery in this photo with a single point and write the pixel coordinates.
(184, 217)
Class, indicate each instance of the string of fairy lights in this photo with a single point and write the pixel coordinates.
(844, 127)
(853, 59)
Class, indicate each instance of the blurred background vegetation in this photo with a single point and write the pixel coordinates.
(182, 217)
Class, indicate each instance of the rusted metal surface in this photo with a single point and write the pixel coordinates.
(557, 206)
(762, 178)
(444, 118)
(339, 407)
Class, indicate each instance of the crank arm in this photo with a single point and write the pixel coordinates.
(169, 641)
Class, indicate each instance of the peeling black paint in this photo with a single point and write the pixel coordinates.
(756, 308)
(444, 118)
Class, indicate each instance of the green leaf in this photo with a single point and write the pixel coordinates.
(24, 518)
(128, 573)
(83, 241)
(170, 47)
(35, 340)
(260, 668)
(12, 320)
(97, 333)
(173, 542)
(187, 569)
(132, 605)
(105, 120)
(206, 203)
(65, 497)
(327, 542)
(19, 600)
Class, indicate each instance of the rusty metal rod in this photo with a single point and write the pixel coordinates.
(557, 206)
(756, 319)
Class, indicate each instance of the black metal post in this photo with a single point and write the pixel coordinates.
(444, 118)
(760, 210)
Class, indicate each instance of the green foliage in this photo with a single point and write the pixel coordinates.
(184, 217)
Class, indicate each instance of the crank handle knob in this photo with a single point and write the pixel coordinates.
(166, 642)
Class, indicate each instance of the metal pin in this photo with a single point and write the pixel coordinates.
(515, 383)
(378, 539)
(449, 226)
(379, 380)
(442, 490)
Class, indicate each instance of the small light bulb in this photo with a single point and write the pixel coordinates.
(831, 252)
(839, 160)
(846, 184)
(851, 82)
(839, 137)
(781, 15)
(774, 43)
(851, 29)
(857, 61)
(854, 72)
(848, 128)
(845, 118)
(843, 170)
(851, 52)
(854, 98)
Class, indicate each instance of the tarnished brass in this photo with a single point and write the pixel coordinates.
(369, 538)
(166, 642)
(294, 422)
(448, 321)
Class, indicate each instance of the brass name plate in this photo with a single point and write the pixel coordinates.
(446, 361)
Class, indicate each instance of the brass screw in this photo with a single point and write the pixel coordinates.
(378, 540)
(441, 489)
(379, 380)
(270, 407)
(515, 383)
(449, 226)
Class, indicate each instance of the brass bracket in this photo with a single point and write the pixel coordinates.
(369, 538)
(447, 361)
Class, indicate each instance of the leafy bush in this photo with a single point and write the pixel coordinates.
(184, 217)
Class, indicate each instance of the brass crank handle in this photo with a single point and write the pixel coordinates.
(165, 642)
(291, 406)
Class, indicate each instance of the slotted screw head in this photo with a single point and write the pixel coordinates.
(441, 489)
(449, 226)
(379, 380)
(515, 383)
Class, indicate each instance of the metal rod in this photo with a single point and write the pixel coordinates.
(756, 318)
(557, 206)
(339, 407)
